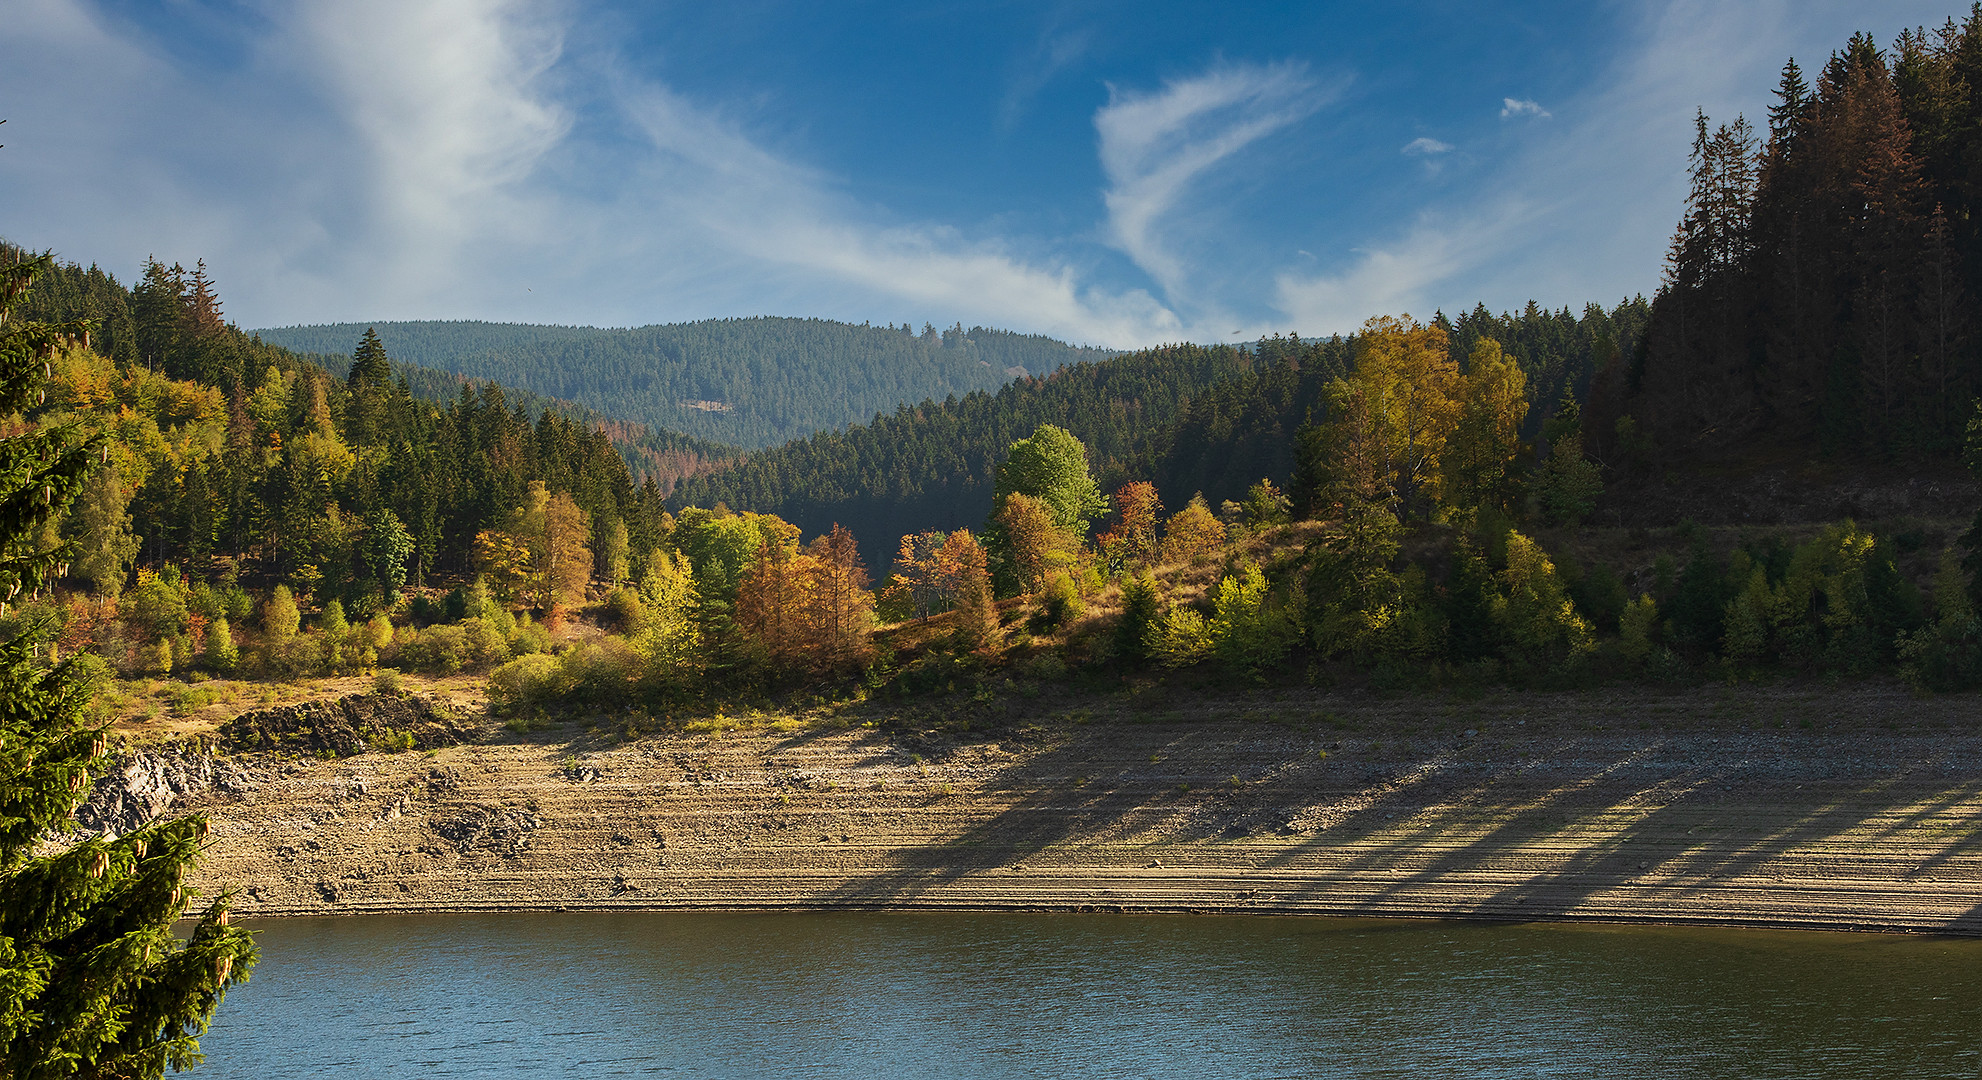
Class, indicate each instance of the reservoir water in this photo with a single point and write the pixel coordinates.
(945, 995)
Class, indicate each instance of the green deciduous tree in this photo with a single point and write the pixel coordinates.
(1541, 625)
(1052, 466)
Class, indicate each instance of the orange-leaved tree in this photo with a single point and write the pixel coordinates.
(968, 581)
(840, 610)
(1035, 544)
(1131, 541)
(915, 586)
(772, 602)
(1192, 533)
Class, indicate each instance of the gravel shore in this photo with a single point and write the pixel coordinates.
(1852, 807)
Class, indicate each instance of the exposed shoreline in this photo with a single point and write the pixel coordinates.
(1690, 807)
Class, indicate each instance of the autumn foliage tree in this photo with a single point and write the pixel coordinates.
(1476, 467)
(1192, 533)
(772, 602)
(1036, 545)
(968, 581)
(915, 586)
(840, 608)
(1131, 541)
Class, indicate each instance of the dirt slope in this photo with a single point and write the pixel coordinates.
(1716, 805)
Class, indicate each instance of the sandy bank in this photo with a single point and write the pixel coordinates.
(1715, 805)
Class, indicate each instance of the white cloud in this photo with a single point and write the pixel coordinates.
(1426, 145)
(1399, 277)
(746, 201)
(418, 159)
(1510, 107)
(449, 100)
(1153, 145)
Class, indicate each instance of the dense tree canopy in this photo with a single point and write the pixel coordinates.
(746, 382)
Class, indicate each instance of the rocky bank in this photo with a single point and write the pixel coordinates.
(1825, 807)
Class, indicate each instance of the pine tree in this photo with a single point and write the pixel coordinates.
(92, 979)
(370, 383)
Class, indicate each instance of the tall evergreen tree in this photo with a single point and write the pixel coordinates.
(92, 980)
(370, 382)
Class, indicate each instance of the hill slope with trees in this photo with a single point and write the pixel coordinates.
(1211, 420)
(746, 382)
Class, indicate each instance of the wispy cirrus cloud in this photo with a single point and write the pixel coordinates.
(1426, 146)
(1513, 107)
(1153, 145)
(423, 158)
(1057, 49)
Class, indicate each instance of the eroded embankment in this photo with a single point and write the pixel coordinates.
(1711, 805)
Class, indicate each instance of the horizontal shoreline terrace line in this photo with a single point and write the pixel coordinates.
(1866, 829)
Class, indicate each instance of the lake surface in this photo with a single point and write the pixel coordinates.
(942, 995)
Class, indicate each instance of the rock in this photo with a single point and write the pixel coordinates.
(501, 830)
(347, 726)
(143, 785)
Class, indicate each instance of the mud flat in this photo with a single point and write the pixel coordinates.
(1852, 808)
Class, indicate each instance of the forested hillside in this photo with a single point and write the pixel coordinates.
(1409, 505)
(1820, 290)
(665, 456)
(1191, 419)
(746, 382)
(236, 456)
(172, 324)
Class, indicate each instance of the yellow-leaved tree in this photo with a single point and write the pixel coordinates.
(1476, 466)
(1409, 388)
(557, 535)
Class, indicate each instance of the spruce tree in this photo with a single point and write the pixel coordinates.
(93, 982)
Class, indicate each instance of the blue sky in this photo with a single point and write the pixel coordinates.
(1108, 172)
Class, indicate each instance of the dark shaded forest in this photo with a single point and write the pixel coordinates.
(1819, 288)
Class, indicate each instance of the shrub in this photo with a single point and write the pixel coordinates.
(441, 650)
(531, 637)
(526, 680)
(280, 617)
(1142, 613)
(156, 606)
(1059, 605)
(1248, 633)
(335, 629)
(486, 643)
(221, 653)
(1182, 638)
(1635, 629)
(1541, 624)
(600, 672)
(291, 657)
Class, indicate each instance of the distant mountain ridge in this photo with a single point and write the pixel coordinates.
(749, 382)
